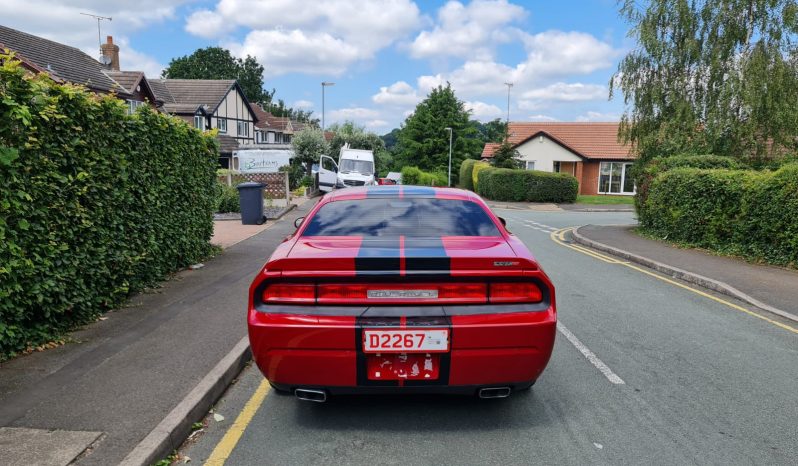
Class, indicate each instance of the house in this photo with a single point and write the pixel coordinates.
(211, 103)
(589, 151)
(69, 64)
(271, 129)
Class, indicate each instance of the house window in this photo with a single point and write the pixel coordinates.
(132, 105)
(615, 178)
(199, 122)
(221, 123)
(243, 128)
(557, 167)
(530, 165)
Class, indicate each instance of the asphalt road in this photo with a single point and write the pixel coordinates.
(644, 371)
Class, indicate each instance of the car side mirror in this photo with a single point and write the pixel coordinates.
(298, 221)
(504, 222)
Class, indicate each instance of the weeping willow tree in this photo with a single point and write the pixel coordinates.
(710, 76)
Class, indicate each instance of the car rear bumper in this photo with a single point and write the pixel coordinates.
(324, 351)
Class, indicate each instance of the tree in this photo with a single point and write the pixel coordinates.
(506, 156)
(710, 77)
(492, 131)
(308, 145)
(355, 135)
(424, 140)
(219, 63)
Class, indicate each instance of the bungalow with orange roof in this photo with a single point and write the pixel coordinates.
(589, 151)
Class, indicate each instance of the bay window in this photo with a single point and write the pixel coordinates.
(615, 178)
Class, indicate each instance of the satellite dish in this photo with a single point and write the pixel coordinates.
(105, 60)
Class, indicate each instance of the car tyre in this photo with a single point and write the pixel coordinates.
(280, 390)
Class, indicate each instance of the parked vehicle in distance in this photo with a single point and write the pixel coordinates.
(385, 181)
(401, 289)
(355, 167)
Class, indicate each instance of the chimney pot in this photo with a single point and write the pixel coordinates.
(109, 39)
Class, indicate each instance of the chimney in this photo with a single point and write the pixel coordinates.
(110, 53)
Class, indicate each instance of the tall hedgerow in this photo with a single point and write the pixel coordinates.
(94, 203)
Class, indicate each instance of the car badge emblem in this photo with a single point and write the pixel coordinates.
(504, 263)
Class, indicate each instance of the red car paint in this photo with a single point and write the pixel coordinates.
(319, 345)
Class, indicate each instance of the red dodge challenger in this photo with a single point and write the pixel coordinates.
(403, 289)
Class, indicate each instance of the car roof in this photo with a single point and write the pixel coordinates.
(400, 191)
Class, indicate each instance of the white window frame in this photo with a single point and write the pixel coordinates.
(526, 164)
(221, 124)
(199, 122)
(625, 166)
(245, 126)
(132, 105)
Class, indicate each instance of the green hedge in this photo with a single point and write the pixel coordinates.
(418, 177)
(504, 184)
(466, 172)
(743, 212)
(646, 174)
(227, 199)
(94, 204)
(478, 167)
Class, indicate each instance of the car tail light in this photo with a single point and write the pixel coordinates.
(402, 293)
(515, 292)
(289, 293)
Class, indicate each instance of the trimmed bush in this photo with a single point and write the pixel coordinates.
(94, 204)
(741, 212)
(466, 172)
(510, 185)
(646, 174)
(415, 176)
(227, 199)
(478, 167)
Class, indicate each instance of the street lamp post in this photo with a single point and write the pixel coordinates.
(323, 85)
(450, 155)
(507, 124)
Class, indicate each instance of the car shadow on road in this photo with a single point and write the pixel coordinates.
(422, 413)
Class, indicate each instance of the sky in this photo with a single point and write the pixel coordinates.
(384, 56)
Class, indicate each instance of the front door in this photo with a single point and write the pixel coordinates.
(328, 173)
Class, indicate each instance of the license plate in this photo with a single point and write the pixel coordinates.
(406, 341)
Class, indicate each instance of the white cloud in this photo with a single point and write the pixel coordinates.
(467, 31)
(303, 104)
(308, 37)
(372, 124)
(550, 55)
(356, 114)
(398, 94)
(598, 116)
(482, 111)
(543, 118)
(567, 92)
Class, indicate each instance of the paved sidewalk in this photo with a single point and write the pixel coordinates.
(774, 286)
(121, 376)
(534, 206)
(598, 207)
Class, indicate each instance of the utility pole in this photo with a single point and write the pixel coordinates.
(98, 18)
(507, 123)
(323, 85)
(450, 155)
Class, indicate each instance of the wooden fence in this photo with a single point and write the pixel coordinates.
(276, 183)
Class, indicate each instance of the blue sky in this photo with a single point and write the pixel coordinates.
(383, 55)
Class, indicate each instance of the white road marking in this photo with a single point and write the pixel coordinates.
(598, 363)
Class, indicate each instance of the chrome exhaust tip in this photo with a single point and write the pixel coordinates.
(305, 394)
(494, 392)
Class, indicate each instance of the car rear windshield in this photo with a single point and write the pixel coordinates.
(420, 217)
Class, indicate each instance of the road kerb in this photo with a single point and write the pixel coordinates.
(170, 433)
(681, 274)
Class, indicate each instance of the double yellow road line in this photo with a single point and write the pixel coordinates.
(559, 238)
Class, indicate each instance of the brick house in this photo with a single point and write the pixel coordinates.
(589, 151)
(69, 64)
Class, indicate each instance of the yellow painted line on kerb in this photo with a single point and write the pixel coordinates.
(226, 445)
(559, 238)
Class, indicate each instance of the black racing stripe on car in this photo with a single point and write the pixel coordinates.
(425, 255)
(378, 255)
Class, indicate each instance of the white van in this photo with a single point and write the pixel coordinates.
(355, 167)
